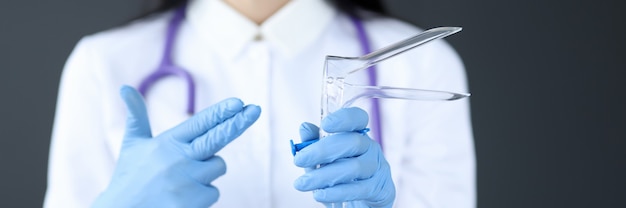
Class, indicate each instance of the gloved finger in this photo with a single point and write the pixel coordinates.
(219, 136)
(201, 122)
(177, 190)
(210, 195)
(339, 172)
(343, 192)
(375, 190)
(333, 147)
(137, 123)
(345, 119)
(206, 171)
(201, 196)
(309, 131)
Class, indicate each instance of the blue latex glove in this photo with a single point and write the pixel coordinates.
(176, 168)
(353, 167)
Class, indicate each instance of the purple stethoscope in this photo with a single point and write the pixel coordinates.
(168, 68)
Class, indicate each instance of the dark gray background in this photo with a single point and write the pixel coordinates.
(548, 103)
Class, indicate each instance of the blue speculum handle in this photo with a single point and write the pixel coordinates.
(297, 147)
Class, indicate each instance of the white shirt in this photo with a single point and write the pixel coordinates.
(428, 144)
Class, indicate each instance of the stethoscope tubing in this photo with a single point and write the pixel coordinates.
(168, 68)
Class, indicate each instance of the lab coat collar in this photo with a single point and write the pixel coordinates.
(289, 30)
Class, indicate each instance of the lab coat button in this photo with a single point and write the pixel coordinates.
(258, 37)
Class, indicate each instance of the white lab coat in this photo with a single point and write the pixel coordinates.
(278, 66)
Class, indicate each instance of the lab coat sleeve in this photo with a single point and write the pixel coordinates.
(80, 165)
(436, 167)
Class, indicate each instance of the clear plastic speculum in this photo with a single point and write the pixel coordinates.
(338, 93)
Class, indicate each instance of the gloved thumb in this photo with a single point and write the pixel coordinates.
(345, 119)
(137, 123)
(309, 131)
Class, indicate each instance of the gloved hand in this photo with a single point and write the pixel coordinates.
(176, 168)
(353, 168)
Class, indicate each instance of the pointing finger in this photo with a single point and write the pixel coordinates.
(222, 134)
(205, 120)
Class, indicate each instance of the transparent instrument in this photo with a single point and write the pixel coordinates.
(338, 93)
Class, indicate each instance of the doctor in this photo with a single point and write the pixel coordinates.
(269, 53)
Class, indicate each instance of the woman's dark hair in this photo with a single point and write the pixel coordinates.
(347, 6)
(351, 6)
